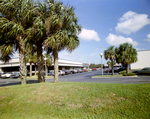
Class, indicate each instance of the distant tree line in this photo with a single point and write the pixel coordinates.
(92, 65)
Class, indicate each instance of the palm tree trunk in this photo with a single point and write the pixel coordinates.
(55, 54)
(22, 61)
(30, 69)
(127, 68)
(41, 77)
(46, 70)
(112, 66)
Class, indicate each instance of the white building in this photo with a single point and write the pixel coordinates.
(13, 65)
(143, 60)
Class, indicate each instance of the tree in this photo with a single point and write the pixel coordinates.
(35, 61)
(61, 31)
(92, 65)
(15, 19)
(48, 61)
(98, 65)
(30, 56)
(126, 54)
(110, 54)
(109, 64)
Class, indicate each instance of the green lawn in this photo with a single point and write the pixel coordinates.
(36, 77)
(75, 100)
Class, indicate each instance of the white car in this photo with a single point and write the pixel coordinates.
(2, 75)
(61, 73)
(15, 75)
(6, 75)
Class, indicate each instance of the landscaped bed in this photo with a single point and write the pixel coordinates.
(75, 100)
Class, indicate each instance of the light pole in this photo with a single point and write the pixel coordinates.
(101, 54)
(45, 66)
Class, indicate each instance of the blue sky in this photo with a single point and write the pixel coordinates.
(109, 22)
(106, 23)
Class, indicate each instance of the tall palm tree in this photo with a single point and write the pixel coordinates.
(35, 62)
(30, 54)
(48, 61)
(15, 19)
(62, 31)
(109, 63)
(126, 54)
(110, 54)
(36, 35)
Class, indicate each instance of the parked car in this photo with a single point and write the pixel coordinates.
(61, 73)
(15, 75)
(67, 72)
(145, 70)
(6, 75)
(121, 69)
(80, 70)
(2, 75)
(108, 70)
(51, 73)
(94, 69)
(73, 71)
(84, 70)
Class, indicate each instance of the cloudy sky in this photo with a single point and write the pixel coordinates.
(106, 23)
(109, 22)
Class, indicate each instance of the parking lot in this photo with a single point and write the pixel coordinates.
(83, 77)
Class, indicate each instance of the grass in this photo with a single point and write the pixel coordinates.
(115, 75)
(75, 100)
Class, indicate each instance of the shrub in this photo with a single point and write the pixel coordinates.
(129, 74)
(122, 72)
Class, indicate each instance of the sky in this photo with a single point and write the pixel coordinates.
(109, 22)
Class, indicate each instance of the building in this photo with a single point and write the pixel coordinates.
(13, 65)
(143, 60)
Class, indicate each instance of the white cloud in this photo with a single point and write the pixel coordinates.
(89, 35)
(131, 22)
(117, 40)
(148, 38)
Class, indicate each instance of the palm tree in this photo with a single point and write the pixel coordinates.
(30, 54)
(35, 62)
(36, 35)
(62, 31)
(109, 63)
(110, 54)
(15, 19)
(126, 54)
(48, 61)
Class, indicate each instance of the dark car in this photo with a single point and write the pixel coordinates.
(145, 70)
(121, 69)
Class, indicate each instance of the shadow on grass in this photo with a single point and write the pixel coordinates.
(18, 83)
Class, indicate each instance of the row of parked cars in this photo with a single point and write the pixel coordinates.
(10, 75)
(66, 72)
(116, 70)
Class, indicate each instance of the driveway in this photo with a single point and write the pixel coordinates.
(84, 77)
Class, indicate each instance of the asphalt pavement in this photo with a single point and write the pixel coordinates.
(84, 77)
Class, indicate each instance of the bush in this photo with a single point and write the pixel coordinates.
(123, 72)
(129, 74)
